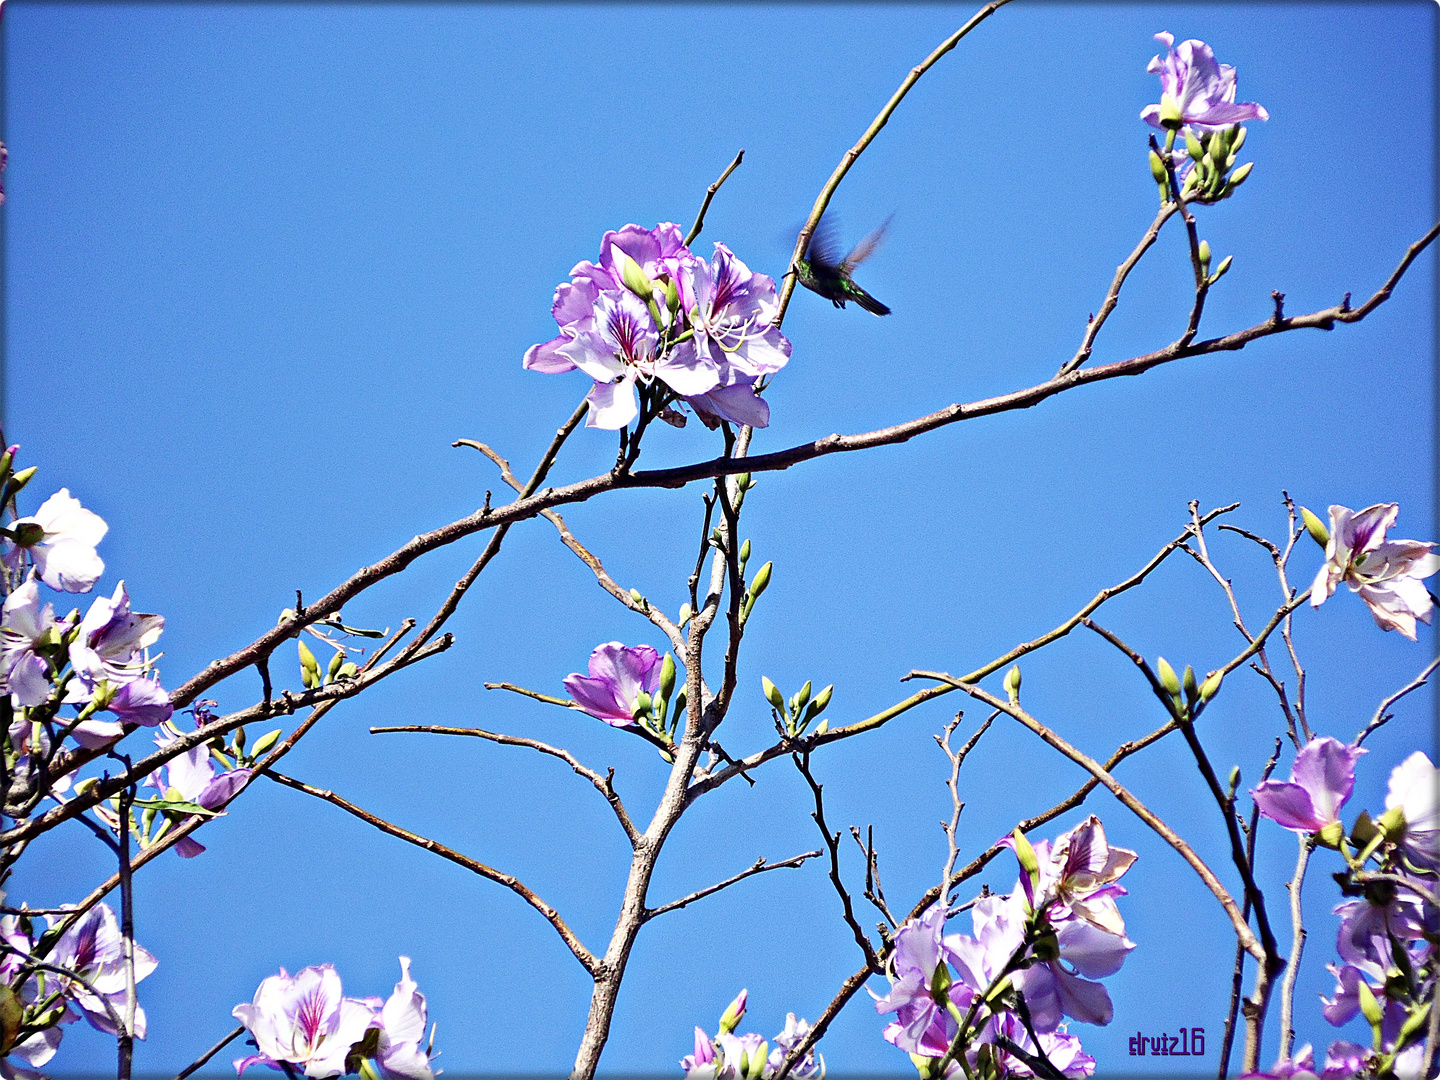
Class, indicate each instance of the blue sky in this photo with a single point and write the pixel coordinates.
(264, 263)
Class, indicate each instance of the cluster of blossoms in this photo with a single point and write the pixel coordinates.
(997, 999)
(1390, 926)
(84, 976)
(729, 1056)
(652, 313)
(1197, 102)
(302, 1024)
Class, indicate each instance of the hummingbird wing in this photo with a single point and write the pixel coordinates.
(865, 248)
(824, 249)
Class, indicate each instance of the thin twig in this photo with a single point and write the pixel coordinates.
(584, 955)
(710, 194)
(1297, 946)
(603, 784)
(759, 866)
(203, 1058)
(1382, 714)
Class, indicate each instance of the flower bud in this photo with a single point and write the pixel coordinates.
(672, 296)
(1157, 167)
(1167, 677)
(734, 1013)
(1369, 1007)
(1234, 779)
(1331, 835)
(940, 984)
(28, 534)
(801, 698)
(6, 460)
(1222, 269)
(1192, 692)
(685, 614)
(634, 277)
(772, 694)
(1211, 685)
(1025, 855)
(309, 667)
(334, 668)
(667, 677)
(265, 742)
(745, 551)
(822, 700)
(1315, 527)
(822, 727)
(1204, 254)
(1237, 139)
(1238, 176)
(348, 670)
(1193, 145)
(643, 705)
(20, 479)
(1012, 683)
(762, 579)
(757, 1061)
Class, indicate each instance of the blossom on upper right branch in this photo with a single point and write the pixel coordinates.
(1195, 90)
(1386, 573)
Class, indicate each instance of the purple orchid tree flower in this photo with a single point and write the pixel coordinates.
(1388, 574)
(109, 653)
(807, 1067)
(401, 1025)
(304, 1020)
(93, 949)
(1415, 789)
(1060, 1048)
(1320, 783)
(623, 349)
(701, 1064)
(922, 1025)
(618, 674)
(1195, 90)
(63, 552)
(660, 253)
(1078, 872)
(34, 1050)
(26, 624)
(192, 777)
(737, 402)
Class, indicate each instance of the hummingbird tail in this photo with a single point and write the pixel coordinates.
(868, 302)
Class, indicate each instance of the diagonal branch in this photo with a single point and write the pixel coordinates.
(585, 956)
(603, 784)
(760, 866)
(709, 195)
(1382, 714)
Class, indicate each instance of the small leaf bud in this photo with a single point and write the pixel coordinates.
(348, 670)
(822, 727)
(772, 694)
(1234, 779)
(1315, 527)
(685, 613)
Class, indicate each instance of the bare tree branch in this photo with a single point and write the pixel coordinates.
(759, 866)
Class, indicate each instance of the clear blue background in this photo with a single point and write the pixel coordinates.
(264, 263)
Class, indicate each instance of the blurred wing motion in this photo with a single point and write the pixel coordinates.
(824, 248)
(865, 248)
(822, 270)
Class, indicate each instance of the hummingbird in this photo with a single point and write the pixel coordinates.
(823, 271)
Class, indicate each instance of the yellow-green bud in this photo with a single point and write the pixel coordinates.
(635, 279)
(6, 460)
(1211, 685)
(1204, 255)
(1330, 835)
(1315, 527)
(685, 614)
(28, 534)
(1363, 831)
(1192, 692)
(1157, 167)
(672, 296)
(757, 1061)
(762, 579)
(667, 677)
(1238, 176)
(1192, 144)
(1012, 683)
(940, 983)
(822, 727)
(1414, 1022)
(1238, 141)
(643, 704)
(801, 698)
(772, 693)
(334, 668)
(1170, 115)
(1222, 269)
(265, 742)
(1369, 1007)
(822, 700)
(309, 667)
(21, 478)
(1167, 677)
(745, 551)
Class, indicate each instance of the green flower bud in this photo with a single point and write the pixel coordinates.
(309, 667)
(822, 727)
(1192, 692)
(643, 705)
(685, 613)
(667, 677)
(1414, 1022)
(801, 698)
(1012, 683)
(762, 579)
(639, 599)
(940, 984)
(265, 742)
(20, 479)
(1204, 256)
(1193, 145)
(1315, 527)
(348, 670)
(1238, 176)
(757, 1061)
(821, 702)
(6, 460)
(635, 279)
(745, 551)
(1167, 677)
(772, 694)
(1222, 269)
(1157, 168)
(672, 296)
(334, 668)
(1369, 1007)
(1211, 685)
